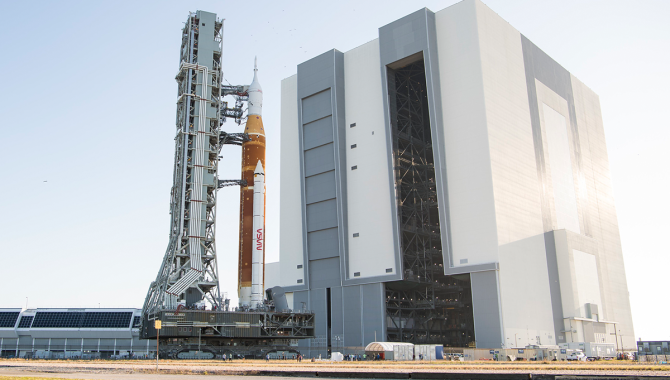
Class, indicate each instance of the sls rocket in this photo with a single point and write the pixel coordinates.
(252, 203)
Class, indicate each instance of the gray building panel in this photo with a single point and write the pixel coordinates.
(486, 309)
(324, 273)
(26, 341)
(73, 343)
(339, 123)
(316, 74)
(43, 344)
(322, 141)
(317, 298)
(321, 215)
(316, 107)
(403, 38)
(554, 286)
(107, 344)
(57, 344)
(337, 310)
(90, 344)
(320, 187)
(323, 244)
(9, 343)
(374, 312)
(353, 317)
(318, 132)
(139, 345)
(319, 160)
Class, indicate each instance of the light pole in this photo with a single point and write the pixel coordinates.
(616, 340)
(157, 325)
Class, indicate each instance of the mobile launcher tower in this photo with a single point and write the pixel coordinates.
(185, 296)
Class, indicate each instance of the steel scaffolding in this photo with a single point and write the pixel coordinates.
(189, 270)
(426, 306)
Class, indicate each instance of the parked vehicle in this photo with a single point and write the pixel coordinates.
(576, 356)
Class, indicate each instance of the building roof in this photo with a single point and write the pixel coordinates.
(385, 346)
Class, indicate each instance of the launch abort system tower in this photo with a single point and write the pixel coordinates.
(185, 295)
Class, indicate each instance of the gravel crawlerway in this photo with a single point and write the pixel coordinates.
(189, 369)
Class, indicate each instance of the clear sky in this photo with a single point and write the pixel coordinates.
(87, 107)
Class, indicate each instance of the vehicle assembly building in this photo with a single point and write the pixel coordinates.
(448, 183)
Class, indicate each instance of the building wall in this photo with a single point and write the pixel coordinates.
(372, 252)
(272, 275)
(597, 188)
(466, 146)
(290, 205)
(525, 296)
(553, 90)
(320, 134)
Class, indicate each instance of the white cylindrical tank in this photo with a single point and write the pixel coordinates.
(258, 237)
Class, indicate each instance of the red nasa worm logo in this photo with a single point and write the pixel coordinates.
(259, 239)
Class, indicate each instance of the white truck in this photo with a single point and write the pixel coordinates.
(576, 355)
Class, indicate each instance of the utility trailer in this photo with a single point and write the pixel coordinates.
(592, 350)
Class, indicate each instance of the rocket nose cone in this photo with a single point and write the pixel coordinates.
(259, 168)
(255, 94)
(255, 85)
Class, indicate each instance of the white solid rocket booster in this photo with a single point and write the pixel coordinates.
(258, 237)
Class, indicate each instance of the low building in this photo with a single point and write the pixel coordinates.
(647, 348)
(72, 333)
